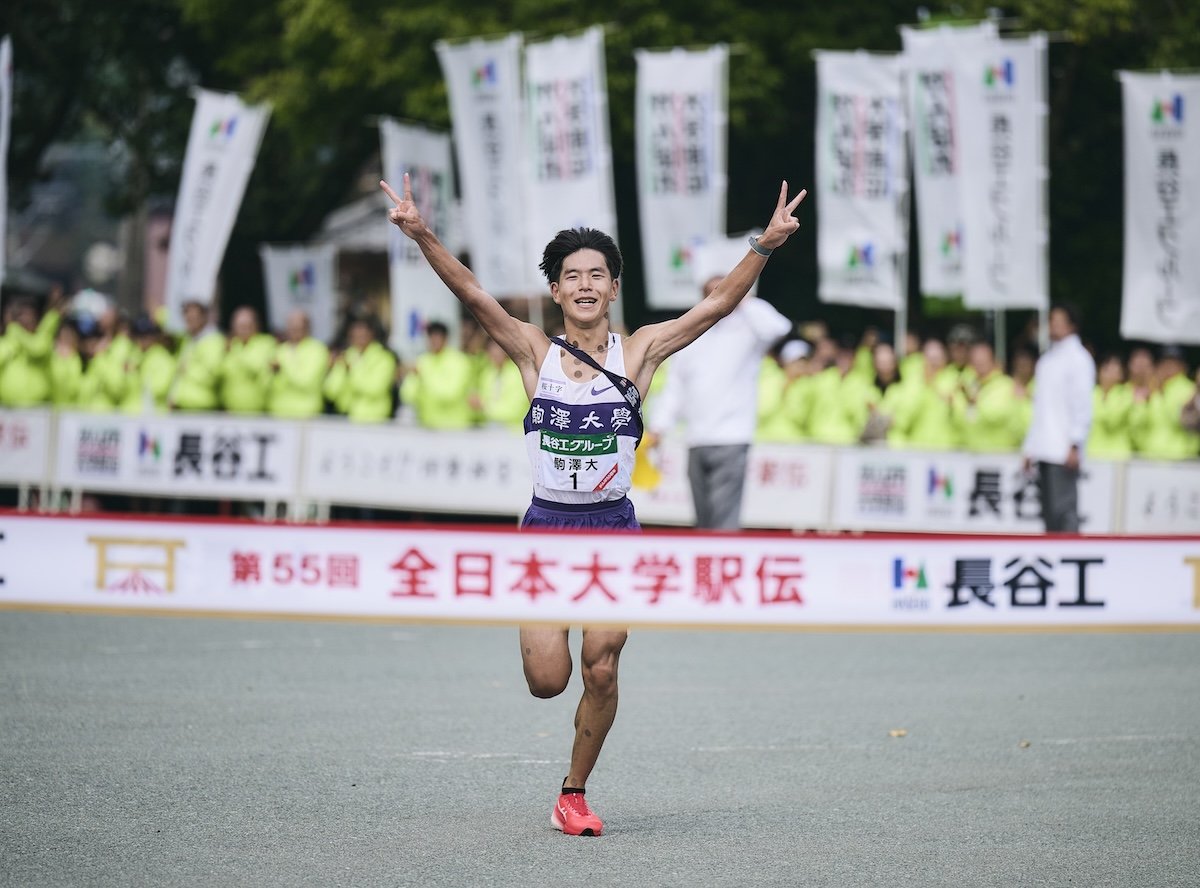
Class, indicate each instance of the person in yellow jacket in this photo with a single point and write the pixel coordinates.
(25, 350)
(1112, 403)
(841, 401)
(66, 367)
(932, 424)
(360, 379)
(107, 376)
(784, 394)
(986, 405)
(439, 385)
(1157, 421)
(895, 400)
(150, 369)
(500, 399)
(198, 369)
(1023, 364)
(299, 369)
(246, 364)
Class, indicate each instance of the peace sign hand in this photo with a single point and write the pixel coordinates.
(782, 223)
(404, 214)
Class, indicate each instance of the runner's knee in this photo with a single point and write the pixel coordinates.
(546, 684)
(600, 677)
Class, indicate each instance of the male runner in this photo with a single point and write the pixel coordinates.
(567, 396)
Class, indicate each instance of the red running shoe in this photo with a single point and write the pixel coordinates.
(573, 817)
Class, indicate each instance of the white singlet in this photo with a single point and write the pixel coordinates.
(580, 436)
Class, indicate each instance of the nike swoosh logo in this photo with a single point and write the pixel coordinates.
(601, 391)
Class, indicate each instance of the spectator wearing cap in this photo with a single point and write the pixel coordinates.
(66, 366)
(246, 364)
(712, 389)
(1112, 403)
(1158, 420)
(841, 400)
(785, 393)
(1061, 420)
(500, 399)
(151, 368)
(440, 384)
(25, 350)
(958, 351)
(198, 370)
(360, 379)
(299, 369)
(985, 406)
(932, 424)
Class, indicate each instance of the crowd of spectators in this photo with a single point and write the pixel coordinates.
(813, 387)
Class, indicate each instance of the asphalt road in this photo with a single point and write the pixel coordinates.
(188, 751)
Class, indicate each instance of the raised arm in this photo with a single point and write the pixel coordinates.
(516, 337)
(660, 341)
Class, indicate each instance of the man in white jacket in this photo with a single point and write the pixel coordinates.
(1062, 416)
(712, 387)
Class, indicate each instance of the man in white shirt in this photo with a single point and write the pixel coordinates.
(1062, 416)
(712, 387)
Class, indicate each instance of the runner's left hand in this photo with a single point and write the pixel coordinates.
(782, 223)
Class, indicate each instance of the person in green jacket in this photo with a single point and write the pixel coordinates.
(784, 394)
(25, 350)
(986, 405)
(299, 369)
(1112, 403)
(198, 370)
(439, 385)
(360, 379)
(500, 400)
(1157, 421)
(246, 365)
(912, 365)
(841, 401)
(932, 424)
(1023, 364)
(891, 414)
(66, 367)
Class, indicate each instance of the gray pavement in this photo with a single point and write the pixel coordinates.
(186, 751)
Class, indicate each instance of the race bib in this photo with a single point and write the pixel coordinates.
(577, 462)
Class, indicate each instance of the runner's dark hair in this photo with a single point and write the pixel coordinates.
(572, 240)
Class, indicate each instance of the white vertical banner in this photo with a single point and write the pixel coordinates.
(301, 278)
(222, 147)
(568, 157)
(937, 165)
(418, 294)
(861, 179)
(1160, 293)
(1002, 112)
(682, 108)
(5, 118)
(483, 81)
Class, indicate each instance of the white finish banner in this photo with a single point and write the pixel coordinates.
(418, 295)
(568, 157)
(862, 179)
(25, 446)
(483, 81)
(932, 84)
(485, 472)
(301, 278)
(222, 147)
(455, 573)
(205, 455)
(1162, 498)
(878, 489)
(6, 76)
(681, 118)
(1160, 293)
(1001, 106)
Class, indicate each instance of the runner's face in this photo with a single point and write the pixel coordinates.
(584, 288)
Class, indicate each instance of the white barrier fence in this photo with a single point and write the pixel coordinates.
(655, 578)
(485, 472)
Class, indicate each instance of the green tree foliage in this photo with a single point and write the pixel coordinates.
(329, 67)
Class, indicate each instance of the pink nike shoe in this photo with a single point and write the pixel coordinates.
(573, 817)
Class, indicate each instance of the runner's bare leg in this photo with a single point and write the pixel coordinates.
(598, 708)
(546, 658)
